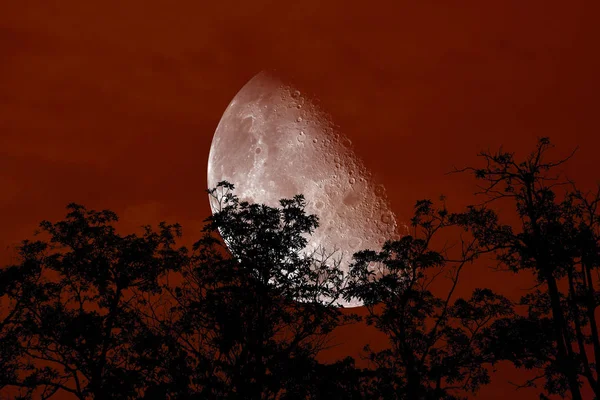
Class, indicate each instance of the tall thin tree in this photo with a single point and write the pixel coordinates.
(557, 239)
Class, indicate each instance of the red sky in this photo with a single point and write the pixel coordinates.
(114, 105)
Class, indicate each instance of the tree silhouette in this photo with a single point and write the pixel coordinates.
(436, 342)
(249, 316)
(557, 239)
(17, 291)
(77, 327)
(246, 312)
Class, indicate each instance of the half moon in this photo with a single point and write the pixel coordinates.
(273, 143)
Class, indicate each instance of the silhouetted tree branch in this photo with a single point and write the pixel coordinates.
(252, 315)
(246, 312)
(77, 325)
(436, 343)
(558, 240)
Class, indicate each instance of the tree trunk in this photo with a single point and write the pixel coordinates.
(591, 312)
(564, 358)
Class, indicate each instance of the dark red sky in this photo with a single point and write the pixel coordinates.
(114, 106)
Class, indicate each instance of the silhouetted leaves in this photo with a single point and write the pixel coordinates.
(78, 316)
(558, 240)
(436, 343)
(250, 323)
(246, 312)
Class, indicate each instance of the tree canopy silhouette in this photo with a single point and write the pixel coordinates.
(557, 239)
(73, 310)
(437, 343)
(94, 314)
(246, 312)
(252, 322)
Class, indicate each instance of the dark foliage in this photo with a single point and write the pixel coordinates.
(251, 323)
(437, 343)
(246, 312)
(77, 325)
(557, 239)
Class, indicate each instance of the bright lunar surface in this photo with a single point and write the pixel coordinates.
(273, 143)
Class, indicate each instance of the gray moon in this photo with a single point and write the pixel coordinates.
(272, 143)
